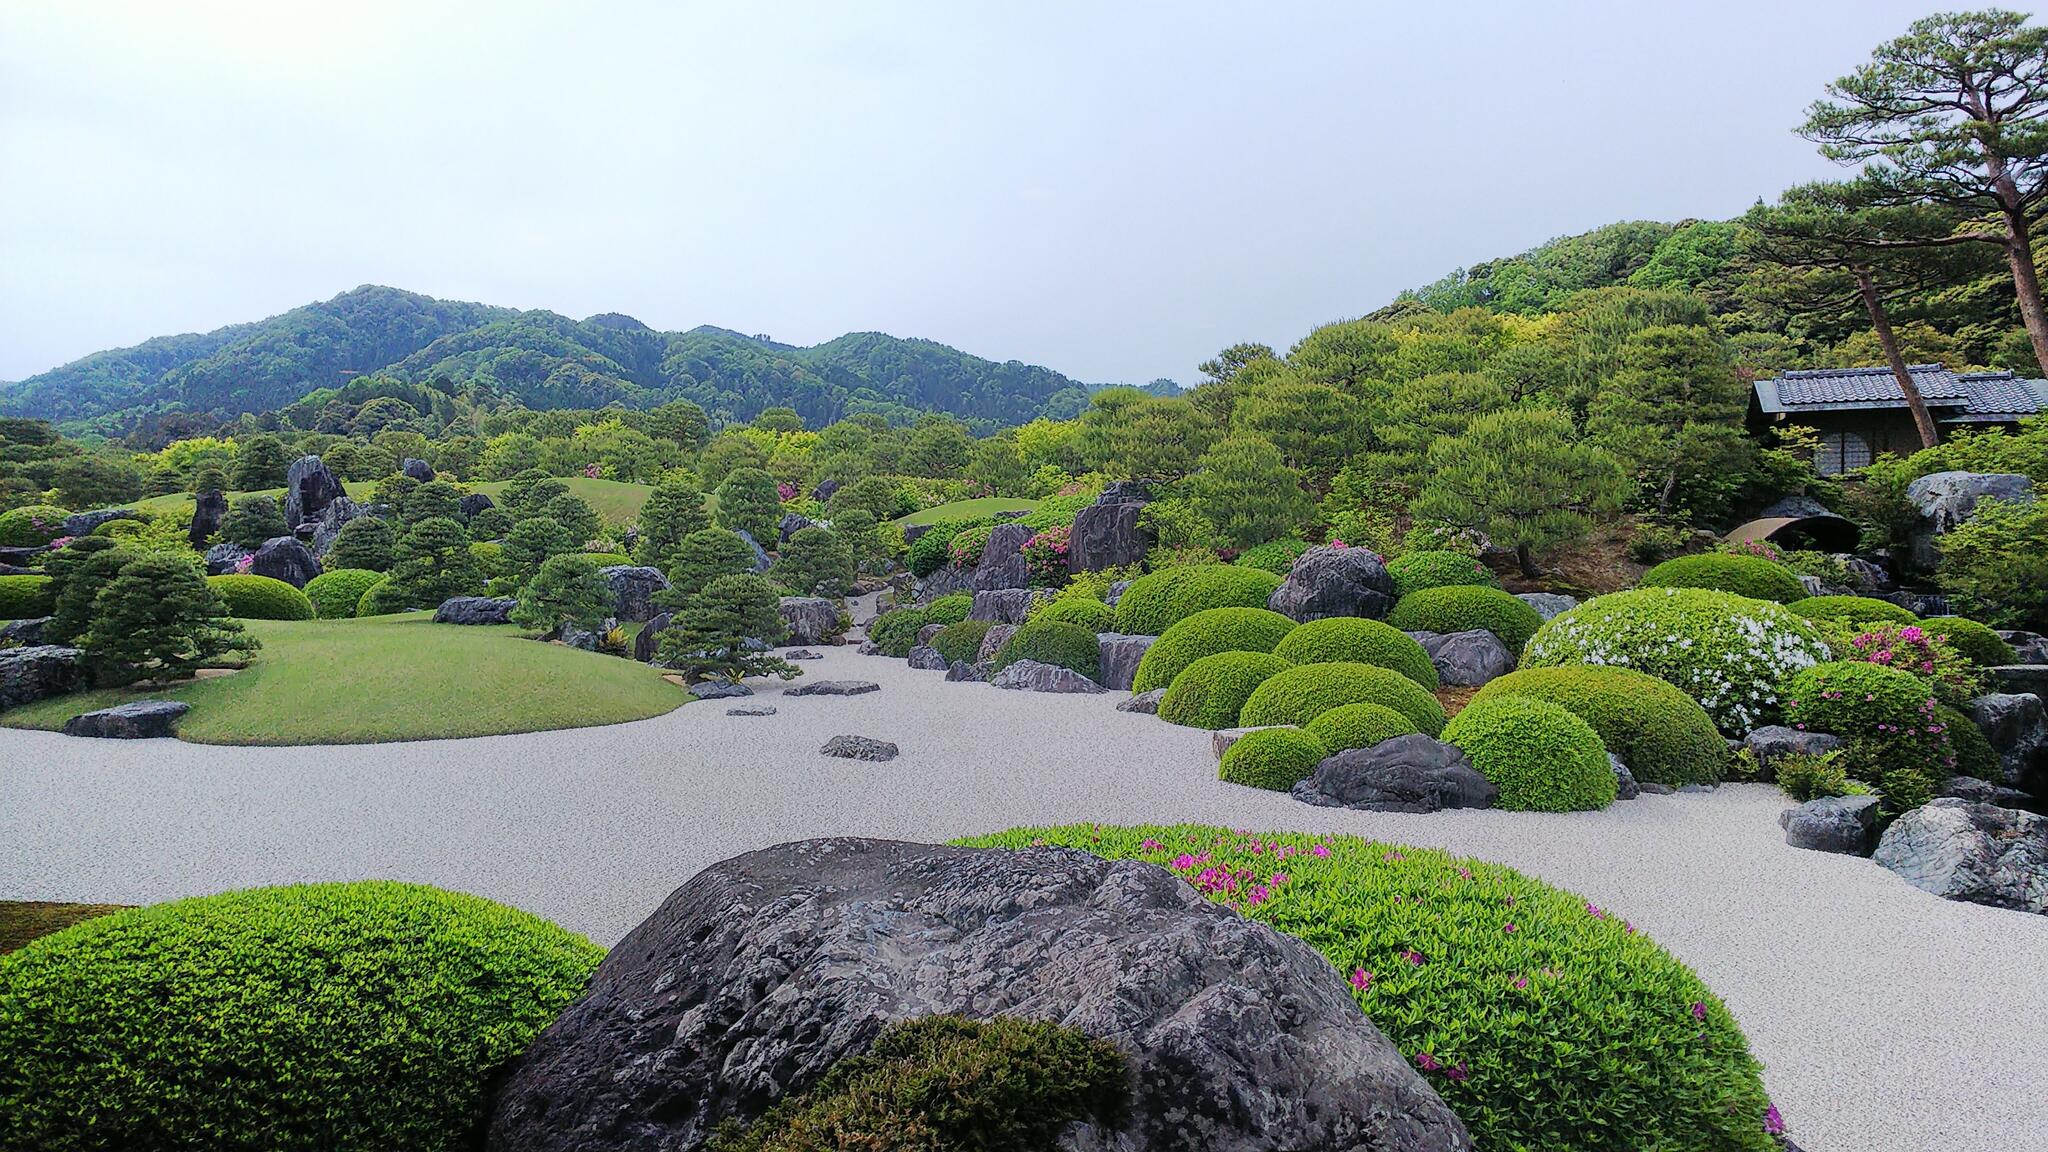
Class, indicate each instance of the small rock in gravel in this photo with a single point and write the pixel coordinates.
(720, 690)
(1694, 787)
(1411, 773)
(802, 654)
(1625, 786)
(960, 671)
(833, 688)
(1033, 676)
(869, 648)
(1845, 824)
(752, 710)
(1653, 789)
(135, 720)
(859, 748)
(927, 659)
(1145, 702)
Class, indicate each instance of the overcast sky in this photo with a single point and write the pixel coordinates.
(1112, 190)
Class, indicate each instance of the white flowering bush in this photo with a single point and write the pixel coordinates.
(1728, 652)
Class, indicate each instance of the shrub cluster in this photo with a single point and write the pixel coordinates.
(1540, 756)
(895, 631)
(1273, 758)
(1977, 642)
(1079, 611)
(1054, 642)
(1210, 692)
(1662, 734)
(964, 550)
(1359, 726)
(1205, 634)
(949, 609)
(251, 597)
(1156, 602)
(961, 641)
(1853, 609)
(1464, 607)
(1275, 556)
(1306, 691)
(1357, 640)
(1751, 576)
(383, 599)
(1892, 736)
(1916, 649)
(26, 597)
(1437, 569)
(32, 526)
(928, 553)
(336, 592)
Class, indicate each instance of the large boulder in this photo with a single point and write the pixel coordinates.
(82, 523)
(925, 658)
(761, 561)
(1002, 605)
(417, 468)
(633, 588)
(1412, 773)
(1002, 559)
(327, 527)
(473, 503)
(943, 582)
(1945, 499)
(811, 619)
(824, 490)
(2017, 726)
(1985, 792)
(208, 509)
(40, 671)
(1107, 533)
(2028, 647)
(475, 610)
(308, 489)
(1961, 850)
(1548, 604)
(1118, 656)
(286, 558)
(27, 632)
(1466, 659)
(1844, 824)
(1327, 581)
(135, 720)
(1033, 676)
(224, 558)
(765, 970)
(648, 639)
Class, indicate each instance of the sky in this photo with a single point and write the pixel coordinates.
(1115, 191)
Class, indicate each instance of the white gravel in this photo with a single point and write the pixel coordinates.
(1889, 1020)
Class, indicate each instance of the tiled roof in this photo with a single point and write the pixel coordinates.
(1982, 397)
(1997, 397)
(1866, 385)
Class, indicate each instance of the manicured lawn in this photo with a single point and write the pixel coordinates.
(615, 500)
(23, 920)
(392, 678)
(968, 510)
(182, 501)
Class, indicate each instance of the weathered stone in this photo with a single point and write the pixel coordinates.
(912, 531)
(648, 641)
(475, 610)
(135, 720)
(761, 561)
(1774, 741)
(1116, 592)
(1646, 789)
(790, 524)
(224, 558)
(960, 671)
(82, 523)
(2016, 724)
(824, 490)
(1327, 581)
(473, 503)
(925, 634)
(870, 648)
(1796, 506)
(1146, 703)
(1466, 659)
(763, 971)
(927, 658)
(720, 690)
(802, 654)
(859, 748)
(752, 710)
(992, 641)
(1118, 655)
(1625, 786)
(327, 526)
(1411, 773)
(286, 558)
(1013, 572)
(1033, 676)
(944, 582)
(811, 619)
(2028, 647)
(23, 632)
(1865, 577)
(833, 688)
(1985, 792)
(417, 468)
(580, 638)
(40, 671)
(308, 489)
(1107, 533)
(1221, 739)
(208, 509)
(1548, 604)
(1810, 584)
(1844, 824)
(1971, 852)
(1947, 499)
(633, 589)
(1002, 605)
(2021, 678)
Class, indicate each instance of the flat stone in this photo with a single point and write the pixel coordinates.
(1844, 824)
(1411, 773)
(1976, 853)
(40, 671)
(1144, 702)
(1985, 792)
(720, 690)
(1654, 789)
(833, 688)
(752, 710)
(859, 748)
(135, 720)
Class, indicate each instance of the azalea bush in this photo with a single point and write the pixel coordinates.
(1919, 650)
(1854, 609)
(1892, 735)
(32, 526)
(1093, 615)
(1359, 726)
(1053, 642)
(1045, 554)
(964, 549)
(1275, 556)
(961, 641)
(1977, 642)
(1464, 607)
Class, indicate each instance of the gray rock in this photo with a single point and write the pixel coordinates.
(1411, 773)
(633, 589)
(824, 490)
(1328, 581)
(2021, 678)
(859, 748)
(752, 710)
(286, 558)
(811, 619)
(992, 641)
(960, 671)
(1654, 789)
(1625, 786)
(135, 720)
(417, 468)
(1118, 655)
(224, 558)
(1107, 533)
(579, 638)
(1773, 741)
(1002, 561)
(40, 671)
(944, 582)
(82, 523)
(761, 561)
(802, 654)
(1548, 604)
(1466, 659)
(308, 489)
(1971, 852)
(473, 503)
(870, 648)
(1032, 676)
(1221, 739)
(1144, 702)
(1946, 499)
(833, 688)
(925, 634)
(1984, 792)
(720, 690)
(765, 970)
(1002, 605)
(2017, 726)
(1811, 584)
(648, 641)
(927, 659)
(327, 528)
(475, 610)
(1116, 592)
(1867, 578)
(24, 632)
(208, 509)
(790, 524)
(1797, 506)
(1844, 824)
(2028, 647)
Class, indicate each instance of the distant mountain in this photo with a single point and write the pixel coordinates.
(538, 359)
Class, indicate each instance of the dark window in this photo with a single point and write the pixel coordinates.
(1840, 452)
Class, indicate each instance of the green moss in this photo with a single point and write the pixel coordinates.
(1081, 612)
(961, 641)
(1852, 609)
(336, 592)
(26, 597)
(1437, 569)
(1157, 601)
(1304, 692)
(1751, 576)
(1359, 726)
(1052, 642)
(1979, 644)
(1662, 734)
(1210, 692)
(1540, 756)
(251, 597)
(1465, 607)
(1273, 758)
(1205, 634)
(1359, 641)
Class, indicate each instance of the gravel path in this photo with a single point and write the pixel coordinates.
(1888, 1019)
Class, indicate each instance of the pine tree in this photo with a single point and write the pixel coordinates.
(815, 562)
(673, 510)
(568, 589)
(251, 520)
(575, 515)
(364, 542)
(1522, 477)
(701, 557)
(711, 632)
(78, 572)
(530, 544)
(433, 498)
(1248, 492)
(160, 619)
(433, 563)
(261, 463)
(747, 502)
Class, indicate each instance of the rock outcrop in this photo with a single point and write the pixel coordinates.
(1107, 534)
(633, 588)
(1118, 655)
(286, 558)
(1412, 773)
(208, 509)
(1844, 824)
(1946, 499)
(308, 489)
(1960, 850)
(811, 619)
(1033, 676)
(40, 671)
(1548, 604)
(1466, 659)
(417, 468)
(1329, 581)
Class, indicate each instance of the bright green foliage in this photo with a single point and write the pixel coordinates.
(1359, 726)
(1995, 563)
(1522, 476)
(394, 490)
(895, 631)
(368, 1016)
(77, 572)
(261, 461)
(1574, 999)
(251, 520)
(382, 599)
(364, 542)
(490, 558)
(32, 526)
(434, 498)
(949, 609)
(1210, 692)
(1977, 643)
(747, 502)
(1275, 556)
(1751, 576)
(930, 552)
(961, 641)
(1662, 734)
(1080, 611)
(336, 592)
(1273, 758)
(252, 597)
(1359, 641)
(1245, 488)
(673, 510)
(1728, 652)
(1156, 602)
(1886, 718)
(432, 563)
(568, 589)
(709, 634)
(704, 556)
(26, 597)
(1805, 776)
(999, 1085)
(490, 524)
(815, 562)
(529, 492)
(1306, 691)
(1854, 609)
(1974, 754)
(1205, 634)
(1541, 757)
(576, 517)
(159, 619)
(1053, 642)
(1463, 607)
(879, 495)
(1437, 569)
(1672, 413)
(531, 543)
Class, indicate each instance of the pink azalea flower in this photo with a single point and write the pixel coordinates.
(1774, 1124)
(1426, 1062)
(1361, 980)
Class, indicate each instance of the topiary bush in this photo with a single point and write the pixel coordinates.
(1156, 602)
(949, 609)
(1751, 576)
(961, 641)
(1081, 612)
(252, 597)
(1053, 642)
(32, 526)
(1210, 692)
(1663, 735)
(1852, 609)
(337, 592)
(1306, 691)
(1438, 569)
(382, 599)
(895, 631)
(1274, 758)
(1728, 652)
(1205, 634)
(26, 597)
(1275, 556)
(1356, 640)
(928, 553)
(1359, 726)
(1464, 607)
(1573, 999)
(1540, 756)
(1887, 720)
(1977, 642)
(364, 1016)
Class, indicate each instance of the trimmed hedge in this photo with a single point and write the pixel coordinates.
(252, 597)
(1573, 1031)
(1853, 609)
(1306, 691)
(895, 631)
(1356, 640)
(31, 526)
(364, 1016)
(1464, 607)
(1273, 758)
(26, 597)
(961, 641)
(1438, 569)
(1978, 643)
(336, 592)
(1205, 634)
(1275, 556)
(1751, 576)
(1155, 602)
(1079, 611)
(1053, 642)
(1359, 726)
(1540, 756)
(1210, 692)
(1662, 734)
(1887, 721)
(382, 599)
(949, 609)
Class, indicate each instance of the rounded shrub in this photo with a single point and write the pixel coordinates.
(1977, 642)
(1306, 691)
(1205, 634)
(26, 597)
(121, 529)
(1053, 642)
(363, 1016)
(1973, 751)
(1751, 576)
(1438, 569)
(1887, 720)
(32, 526)
(1851, 609)
(1663, 735)
(1728, 652)
(1359, 726)
(337, 592)
(1356, 640)
(895, 631)
(1540, 756)
(1155, 602)
(1080, 611)
(252, 597)
(1275, 758)
(961, 641)
(950, 609)
(1464, 607)
(382, 599)
(1275, 556)
(928, 553)
(1210, 692)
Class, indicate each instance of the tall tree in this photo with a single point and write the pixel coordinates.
(1524, 478)
(1674, 414)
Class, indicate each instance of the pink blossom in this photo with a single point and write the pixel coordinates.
(1321, 851)
(1361, 980)
(1426, 1062)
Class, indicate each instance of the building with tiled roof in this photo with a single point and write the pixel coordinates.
(1861, 412)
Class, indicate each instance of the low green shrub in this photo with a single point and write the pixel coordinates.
(1662, 734)
(961, 641)
(1273, 758)
(1489, 982)
(1437, 569)
(489, 556)
(1853, 609)
(1210, 692)
(26, 597)
(1205, 634)
(606, 559)
(928, 553)
(1093, 615)
(1751, 576)
(950, 609)
(895, 631)
(1357, 640)
(364, 1016)
(1974, 754)
(382, 599)
(1359, 726)
(1306, 691)
(1978, 643)
(1464, 607)
(1540, 756)
(121, 529)
(32, 526)
(1275, 556)
(1806, 776)
(252, 597)
(1886, 719)
(1155, 602)
(336, 592)
(1053, 642)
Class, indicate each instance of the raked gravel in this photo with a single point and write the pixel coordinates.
(1889, 1020)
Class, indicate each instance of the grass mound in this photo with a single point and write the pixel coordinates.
(1155, 602)
(1304, 692)
(1273, 758)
